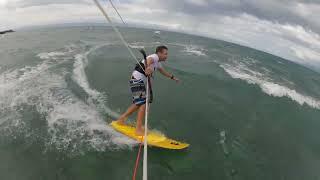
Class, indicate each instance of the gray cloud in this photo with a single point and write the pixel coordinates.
(284, 11)
(28, 3)
(287, 28)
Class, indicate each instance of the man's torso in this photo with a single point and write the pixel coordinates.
(155, 65)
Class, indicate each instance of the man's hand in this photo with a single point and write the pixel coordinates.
(165, 73)
(148, 71)
(176, 79)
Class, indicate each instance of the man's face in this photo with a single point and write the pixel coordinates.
(163, 55)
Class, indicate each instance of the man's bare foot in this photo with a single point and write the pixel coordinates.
(121, 121)
(140, 132)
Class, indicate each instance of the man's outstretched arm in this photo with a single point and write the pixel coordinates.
(167, 74)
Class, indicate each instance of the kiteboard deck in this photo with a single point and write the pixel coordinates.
(154, 138)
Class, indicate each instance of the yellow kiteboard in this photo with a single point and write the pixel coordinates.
(154, 138)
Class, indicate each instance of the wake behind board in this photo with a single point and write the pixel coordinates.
(154, 138)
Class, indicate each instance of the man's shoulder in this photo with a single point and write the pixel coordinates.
(154, 57)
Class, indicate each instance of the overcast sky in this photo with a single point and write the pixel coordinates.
(287, 28)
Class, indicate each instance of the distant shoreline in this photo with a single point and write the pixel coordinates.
(7, 31)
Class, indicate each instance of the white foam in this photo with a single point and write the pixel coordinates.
(194, 50)
(143, 45)
(47, 90)
(51, 55)
(241, 71)
(140, 45)
(191, 49)
(135, 46)
(79, 75)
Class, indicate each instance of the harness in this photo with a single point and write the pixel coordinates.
(140, 67)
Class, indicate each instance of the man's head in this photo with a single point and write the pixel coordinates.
(162, 52)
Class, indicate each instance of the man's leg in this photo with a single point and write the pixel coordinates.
(125, 115)
(140, 117)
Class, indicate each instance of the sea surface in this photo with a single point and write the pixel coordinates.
(248, 115)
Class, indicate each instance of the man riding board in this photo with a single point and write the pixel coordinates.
(138, 82)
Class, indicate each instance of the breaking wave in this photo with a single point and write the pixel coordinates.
(242, 71)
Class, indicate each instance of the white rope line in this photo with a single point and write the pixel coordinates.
(116, 11)
(145, 149)
(117, 31)
(145, 145)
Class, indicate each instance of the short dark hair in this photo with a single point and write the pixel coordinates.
(161, 48)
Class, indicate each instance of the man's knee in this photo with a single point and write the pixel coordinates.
(142, 107)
